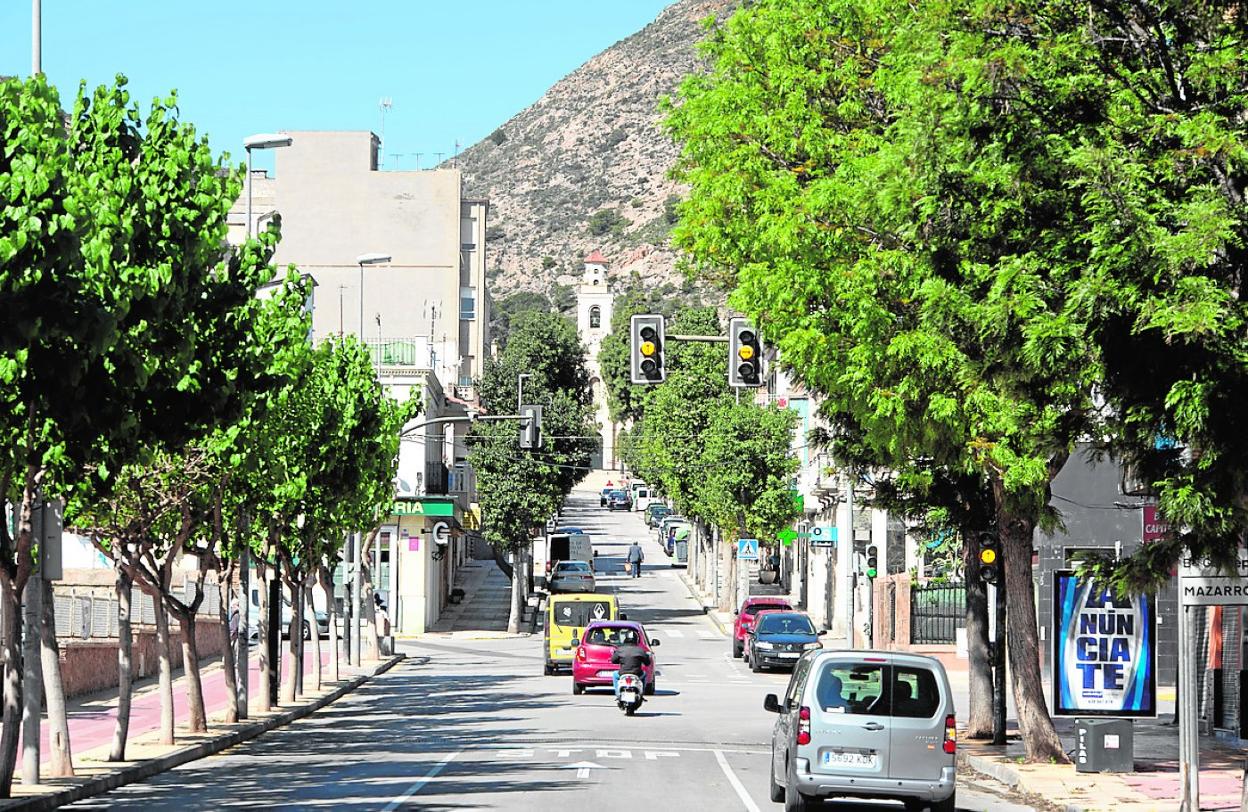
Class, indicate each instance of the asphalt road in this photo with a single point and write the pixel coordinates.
(473, 724)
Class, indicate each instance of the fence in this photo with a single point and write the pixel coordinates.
(937, 611)
(90, 614)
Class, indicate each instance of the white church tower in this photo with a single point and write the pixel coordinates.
(594, 306)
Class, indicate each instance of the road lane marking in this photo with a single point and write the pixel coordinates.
(676, 633)
(415, 788)
(706, 634)
(582, 768)
(750, 806)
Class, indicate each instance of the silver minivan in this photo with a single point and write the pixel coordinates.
(865, 724)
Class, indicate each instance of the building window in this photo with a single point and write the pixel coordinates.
(467, 303)
(595, 317)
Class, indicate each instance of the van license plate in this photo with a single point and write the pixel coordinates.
(837, 758)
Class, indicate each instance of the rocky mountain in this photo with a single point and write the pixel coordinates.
(586, 166)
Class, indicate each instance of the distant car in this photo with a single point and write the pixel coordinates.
(655, 512)
(745, 618)
(779, 638)
(322, 622)
(865, 724)
(569, 531)
(673, 530)
(602, 497)
(592, 664)
(619, 500)
(661, 529)
(572, 576)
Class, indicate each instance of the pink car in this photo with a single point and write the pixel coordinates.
(745, 618)
(592, 666)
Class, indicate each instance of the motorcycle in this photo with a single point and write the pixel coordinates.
(631, 690)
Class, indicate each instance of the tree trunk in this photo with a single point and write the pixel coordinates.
(331, 607)
(724, 597)
(165, 658)
(227, 645)
(979, 714)
(296, 600)
(516, 616)
(125, 663)
(62, 765)
(316, 639)
(369, 631)
(266, 668)
(288, 686)
(198, 717)
(11, 654)
(1023, 639)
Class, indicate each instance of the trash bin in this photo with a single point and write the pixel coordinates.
(1104, 746)
(681, 550)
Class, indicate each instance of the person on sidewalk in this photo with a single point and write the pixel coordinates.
(234, 618)
(635, 557)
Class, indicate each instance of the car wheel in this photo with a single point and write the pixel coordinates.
(755, 666)
(947, 805)
(307, 632)
(577, 689)
(737, 649)
(547, 669)
(794, 801)
(649, 691)
(774, 791)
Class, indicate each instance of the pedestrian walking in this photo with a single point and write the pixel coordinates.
(635, 557)
(234, 616)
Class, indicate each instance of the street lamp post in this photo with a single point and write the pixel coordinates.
(241, 653)
(362, 260)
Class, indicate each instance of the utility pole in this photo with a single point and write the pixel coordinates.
(36, 38)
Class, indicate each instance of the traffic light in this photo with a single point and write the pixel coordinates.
(745, 354)
(873, 561)
(646, 349)
(531, 427)
(989, 557)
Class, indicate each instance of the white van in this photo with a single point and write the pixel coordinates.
(560, 547)
(642, 497)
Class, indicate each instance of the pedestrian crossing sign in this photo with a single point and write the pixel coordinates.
(747, 549)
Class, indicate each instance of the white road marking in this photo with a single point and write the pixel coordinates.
(654, 755)
(415, 788)
(707, 634)
(750, 806)
(674, 633)
(582, 768)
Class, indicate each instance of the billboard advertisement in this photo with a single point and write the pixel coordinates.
(1104, 651)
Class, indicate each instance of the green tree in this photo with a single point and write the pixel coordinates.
(914, 276)
(506, 308)
(112, 247)
(518, 490)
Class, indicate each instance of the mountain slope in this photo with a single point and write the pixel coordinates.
(586, 166)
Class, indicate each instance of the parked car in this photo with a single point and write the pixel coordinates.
(779, 638)
(606, 492)
(656, 511)
(572, 576)
(322, 622)
(661, 534)
(592, 664)
(619, 500)
(669, 541)
(865, 724)
(745, 618)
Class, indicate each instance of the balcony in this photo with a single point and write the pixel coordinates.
(413, 351)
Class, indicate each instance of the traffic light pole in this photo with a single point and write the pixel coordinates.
(998, 669)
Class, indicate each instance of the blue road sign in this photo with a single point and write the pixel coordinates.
(747, 549)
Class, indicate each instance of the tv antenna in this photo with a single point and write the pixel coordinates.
(418, 154)
(396, 156)
(456, 161)
(439, 154)
(384, 105)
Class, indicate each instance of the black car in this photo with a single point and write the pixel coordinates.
(619, 500)
(779, 638)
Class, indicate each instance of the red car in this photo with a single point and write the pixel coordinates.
(592, 666)
(745, 618)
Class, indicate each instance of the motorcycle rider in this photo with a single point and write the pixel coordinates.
(631, 657)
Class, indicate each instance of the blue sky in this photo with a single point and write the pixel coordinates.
(452, 69)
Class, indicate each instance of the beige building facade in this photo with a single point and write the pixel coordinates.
(595, 305)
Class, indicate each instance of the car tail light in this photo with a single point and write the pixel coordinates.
(803, 725)
(951, 734)
(580, 653)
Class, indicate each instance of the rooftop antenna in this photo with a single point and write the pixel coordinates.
(384, 105)
(396, 156)
(418, 154)
(456, 161)
(439, 154)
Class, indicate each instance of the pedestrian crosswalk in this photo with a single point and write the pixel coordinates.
(679, 634)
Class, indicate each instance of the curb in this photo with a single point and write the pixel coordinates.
(706, 610)
(149, 767)
(1005, 774)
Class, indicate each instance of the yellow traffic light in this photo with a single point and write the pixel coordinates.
(988, 556)
(746, 352)
(648, 348)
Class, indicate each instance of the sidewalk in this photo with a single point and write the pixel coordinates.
(1154, 785)
(91, 722)
(484, 610)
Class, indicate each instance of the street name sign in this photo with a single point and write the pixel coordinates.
(1201, 583)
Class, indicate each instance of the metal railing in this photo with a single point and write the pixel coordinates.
(937, 611)
(89, 614)
(412, 351)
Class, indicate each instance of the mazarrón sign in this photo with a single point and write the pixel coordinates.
(1202, 583)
